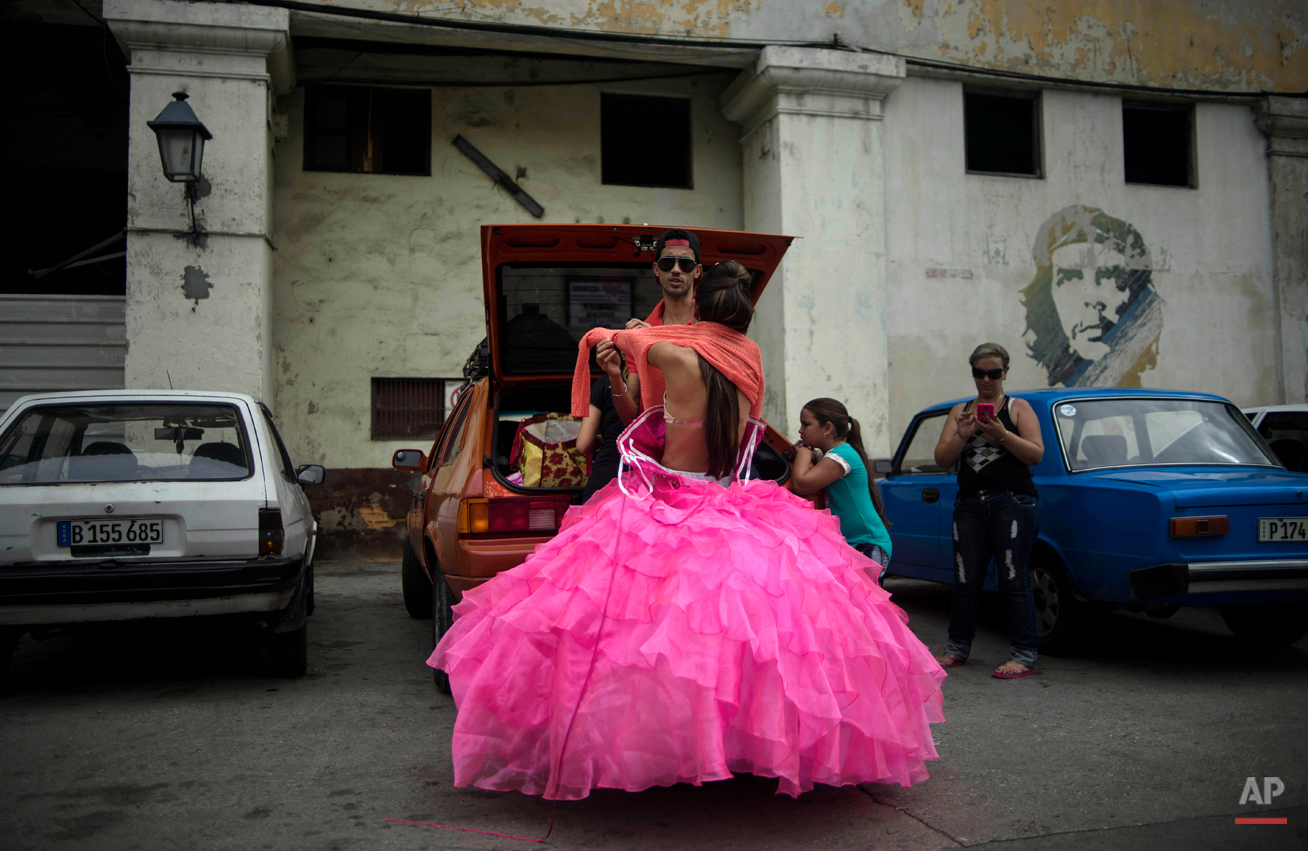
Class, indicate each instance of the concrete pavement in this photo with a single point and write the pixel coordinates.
(166, 737)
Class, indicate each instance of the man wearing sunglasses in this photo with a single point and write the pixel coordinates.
(676, 269)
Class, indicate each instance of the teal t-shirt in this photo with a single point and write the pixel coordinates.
(848, 499)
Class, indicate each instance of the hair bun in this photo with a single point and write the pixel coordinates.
(738, 274)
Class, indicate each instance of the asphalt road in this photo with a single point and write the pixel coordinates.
(168, 737)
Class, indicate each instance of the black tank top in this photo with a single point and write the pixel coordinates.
(985, 464)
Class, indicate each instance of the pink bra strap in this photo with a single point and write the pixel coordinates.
(671, 420)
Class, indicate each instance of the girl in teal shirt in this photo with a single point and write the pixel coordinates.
(836, 462)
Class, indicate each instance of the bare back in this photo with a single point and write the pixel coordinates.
(687, 399)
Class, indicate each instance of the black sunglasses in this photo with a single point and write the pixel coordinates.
(686, 264)
(992, 374)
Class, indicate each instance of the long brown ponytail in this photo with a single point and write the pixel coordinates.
(826, 410)
(723, 297)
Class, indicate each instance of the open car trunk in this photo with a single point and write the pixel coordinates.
(547, 285)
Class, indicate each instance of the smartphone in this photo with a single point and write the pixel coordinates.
(985, 411)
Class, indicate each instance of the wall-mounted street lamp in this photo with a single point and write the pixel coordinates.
(181, 139)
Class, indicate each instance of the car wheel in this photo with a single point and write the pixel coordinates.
(288, 652)
(1058, 612)
(1268, 626)
(417, 588)
(442, 604)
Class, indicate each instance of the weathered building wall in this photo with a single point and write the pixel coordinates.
(1247, 45)
(379, 275)
(197, 310)
(969, 253)
(1285, 123)
(813, 168)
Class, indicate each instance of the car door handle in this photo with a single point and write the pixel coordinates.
(930, 495)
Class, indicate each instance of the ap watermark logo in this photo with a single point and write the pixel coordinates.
(1272, 786)
(1253, 794)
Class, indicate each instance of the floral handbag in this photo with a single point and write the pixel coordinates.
(545, 452)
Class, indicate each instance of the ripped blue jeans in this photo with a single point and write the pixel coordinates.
(1001, 524)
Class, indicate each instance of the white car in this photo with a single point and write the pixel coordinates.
(123, 505)
(1285, 428)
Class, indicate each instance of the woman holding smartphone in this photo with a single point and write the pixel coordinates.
(996, 512)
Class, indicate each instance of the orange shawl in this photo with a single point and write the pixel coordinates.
(733, 354)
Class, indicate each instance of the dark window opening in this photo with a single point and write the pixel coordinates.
(645, 141)
(1157, 144)
(63, 133)
(367, 130)
(1002, 134)
(407, 407)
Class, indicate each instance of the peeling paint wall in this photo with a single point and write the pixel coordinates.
(1247, 45)
(197, 308)
(972, 257)
(379, 275)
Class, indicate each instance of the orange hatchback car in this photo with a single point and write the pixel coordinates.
(545, 286)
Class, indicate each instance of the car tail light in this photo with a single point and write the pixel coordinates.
(1189, 527)
(477, 516)
(271, 532)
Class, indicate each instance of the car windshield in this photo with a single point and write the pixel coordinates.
(122, 442)
(1146, 432)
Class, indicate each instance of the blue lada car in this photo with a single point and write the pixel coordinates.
(1150, 500)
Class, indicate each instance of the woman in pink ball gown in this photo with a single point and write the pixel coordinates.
(689, 623)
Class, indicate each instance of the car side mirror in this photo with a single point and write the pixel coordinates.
(883, 466)
(410, 460)
(310, 474)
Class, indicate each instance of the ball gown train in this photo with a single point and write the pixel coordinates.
(676, 630)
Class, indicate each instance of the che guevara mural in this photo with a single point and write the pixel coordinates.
(1093, 317)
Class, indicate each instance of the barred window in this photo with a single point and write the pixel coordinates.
(408, 407)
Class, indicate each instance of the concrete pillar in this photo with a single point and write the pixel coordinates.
(199, 311)
(811, 121)
(1285, 121)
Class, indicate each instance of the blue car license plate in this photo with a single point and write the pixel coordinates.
(94, 533)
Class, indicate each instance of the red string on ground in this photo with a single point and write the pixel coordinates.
(557, 774)
(473, 830)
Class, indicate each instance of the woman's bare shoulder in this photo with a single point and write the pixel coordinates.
(1019, 404)
(664, 353)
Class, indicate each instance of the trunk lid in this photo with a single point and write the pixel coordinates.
(547, 284)
(1217, 487)
(199, 520)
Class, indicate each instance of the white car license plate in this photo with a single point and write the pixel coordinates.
(1282, 529)
(99, 533)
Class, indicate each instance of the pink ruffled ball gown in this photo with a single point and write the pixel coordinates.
(680, 631)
